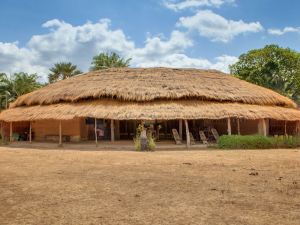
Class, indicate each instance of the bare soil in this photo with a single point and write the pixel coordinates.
(167, 187)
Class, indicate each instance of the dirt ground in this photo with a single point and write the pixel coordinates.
(166, 187)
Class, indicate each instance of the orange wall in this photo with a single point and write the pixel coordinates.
(43, 128)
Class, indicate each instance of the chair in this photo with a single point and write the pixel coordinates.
(215, 133)
(203, 137)
(192, 139)
(176, 136)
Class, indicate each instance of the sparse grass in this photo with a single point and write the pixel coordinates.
(119, 187)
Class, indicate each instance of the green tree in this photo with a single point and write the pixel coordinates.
(272, 67)
(61, 71)
(11, 87)
(108, 60)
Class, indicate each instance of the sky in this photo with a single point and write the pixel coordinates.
(209, 34)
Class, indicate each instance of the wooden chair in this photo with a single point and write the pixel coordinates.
(192, 139)
(176, 136)
(203, 137)
(215, 133)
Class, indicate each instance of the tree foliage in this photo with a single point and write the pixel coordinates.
(272, 67)
(61, 71)
(108, 60)
(11, 87)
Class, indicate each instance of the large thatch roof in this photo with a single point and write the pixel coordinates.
(132, 84)
(166, 110)
(154, 93)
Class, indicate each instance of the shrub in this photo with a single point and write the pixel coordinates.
(286, 141)
(151, 142)
(244, 142)
(137, 140)
(137, 143)
(257, 142)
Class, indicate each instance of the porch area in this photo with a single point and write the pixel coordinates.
(104, 134)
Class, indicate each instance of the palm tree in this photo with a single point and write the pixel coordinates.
(16, 85)
(108, 60)
(62, 71)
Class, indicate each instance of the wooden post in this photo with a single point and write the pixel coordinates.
(180, 129)
(297, 127)
(112, 130)
(2, 133)
(228, 126)
(238, 126)
(60, 134)
(285, 133)
(96, 137)
(30, 132)
(264, 127)
(10, 132)
(117, 130)
(188, 141)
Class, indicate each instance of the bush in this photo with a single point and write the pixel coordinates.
(257, 142)
(151, 142)
(286, 141)
(137, 143)
(244, 142)
(137, 140)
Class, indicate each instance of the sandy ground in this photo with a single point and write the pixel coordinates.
(185, 187)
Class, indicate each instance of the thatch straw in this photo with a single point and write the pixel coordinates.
(150, 84)
(164, 110)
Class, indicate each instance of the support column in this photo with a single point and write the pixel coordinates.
(285, 133)
(112, 130)
(228, 126)
(188, 141)
(60, 134)
(2, 133)
(30, 132)
(264, 127)
(117, 129)
(238, 126)
(96, 136)
(180, 129)
(297, 127)
(10, 132)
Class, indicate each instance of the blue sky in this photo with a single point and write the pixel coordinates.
(177, 33)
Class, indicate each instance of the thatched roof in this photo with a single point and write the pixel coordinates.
(141, 85)
(153, 93)
(165, 110)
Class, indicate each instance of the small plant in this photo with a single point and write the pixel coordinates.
(150, 142)
(137, 143)
(137, 140)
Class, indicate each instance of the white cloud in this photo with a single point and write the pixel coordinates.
(161, 52)
(63, 42)
(15, 59)
(78, 44)
(177, 5)
(157, 47)
(177, 60)
(223, 62)
(285, 30)
(217, 28)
